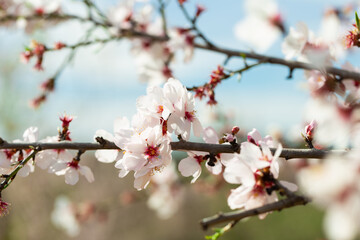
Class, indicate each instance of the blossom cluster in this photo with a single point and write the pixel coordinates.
(59, 162)
(146, 142)
(152, 57)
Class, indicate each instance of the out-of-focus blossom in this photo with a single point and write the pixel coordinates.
(333, 186)
(336, 122)
(262, 25)
(166, 194)
(64, 216)
(302, 44)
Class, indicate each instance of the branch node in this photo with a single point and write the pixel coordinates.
(101, 141)
(291, 71)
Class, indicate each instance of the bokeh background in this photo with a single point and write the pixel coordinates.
(101, 84)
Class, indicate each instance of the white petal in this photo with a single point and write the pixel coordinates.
(86, 171)
(216, 170)
(210, 135)
(71, 176)
(142, 182)
(189, 166)
(197, 128)
(291, 186)
(106, 156)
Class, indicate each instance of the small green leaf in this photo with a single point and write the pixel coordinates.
(218, 233)
(357, 20)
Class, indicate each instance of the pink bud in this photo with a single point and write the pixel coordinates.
(309, 129)
(199, 10)
(235, 130)
(59, 45)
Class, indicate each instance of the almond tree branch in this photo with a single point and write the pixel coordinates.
(287, 153)
(9, 178)
(130, 33)
(341, 73)
(292, 200)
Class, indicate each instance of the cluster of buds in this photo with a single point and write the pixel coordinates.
(34, 50)
(64, 134)
(209, 88)
(353, 37)
(230, 137)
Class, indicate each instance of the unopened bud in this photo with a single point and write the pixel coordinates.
(235, 130)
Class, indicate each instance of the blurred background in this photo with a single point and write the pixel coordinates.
(101, 84)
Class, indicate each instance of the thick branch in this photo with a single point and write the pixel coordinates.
(238, 215)
(287, 153)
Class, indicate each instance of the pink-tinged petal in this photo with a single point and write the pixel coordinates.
(239, 196)
(266, 151)
(251, 154)
(210, 136)
(65, 156)
(142, 182)
(71, 176)
(256, 200)
(196, 176)
(46, 158)
(275, 168)
(86, 171)
(4, 161)
(268, 141)
(216, 170)
(227, 158)
(254, 136)
(122, 137)
(121, 123)
(58, 168)
(142, 172)
(291, 186)
(189, 166)
(24, 171)
(132, 162)
(123, 173)
(340, 224)
(106, 156)
(197, 128)
(31, 134)
(278, 151)
(239, 173)
(135, 147)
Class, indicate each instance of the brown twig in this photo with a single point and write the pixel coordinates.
(291, 201)
(287, 153)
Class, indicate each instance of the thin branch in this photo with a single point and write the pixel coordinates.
(342, 73)
(286, 153)
(9, 178)
(238, 215)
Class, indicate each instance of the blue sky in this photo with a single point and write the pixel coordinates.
(102, 83)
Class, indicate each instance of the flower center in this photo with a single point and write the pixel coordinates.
(152, 152)
(73, 164)
(189, 116)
